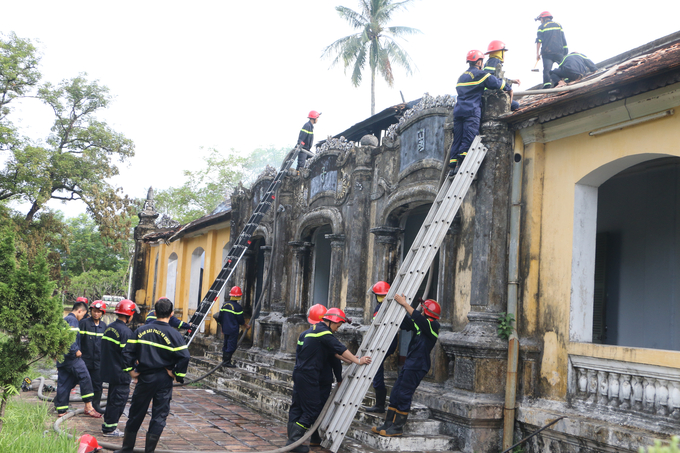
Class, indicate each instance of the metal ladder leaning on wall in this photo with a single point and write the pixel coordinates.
(411, 273)
(238, 248)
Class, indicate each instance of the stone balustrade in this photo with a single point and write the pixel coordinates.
(625, 386)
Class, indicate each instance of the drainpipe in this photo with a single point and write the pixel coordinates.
(513, 290)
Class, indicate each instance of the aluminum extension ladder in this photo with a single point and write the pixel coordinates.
(239, 248)
(385, 326)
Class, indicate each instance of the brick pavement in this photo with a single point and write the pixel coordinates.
(199, 420)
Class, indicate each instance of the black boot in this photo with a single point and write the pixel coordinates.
(128, 442)
(151, 442)
(380, 396)
(96, 401)
(397, 428)
(389, 418)
(296, 433)
(226, 359)
(315, 440)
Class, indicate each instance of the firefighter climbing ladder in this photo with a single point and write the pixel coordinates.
(349, 396)
(239, 248)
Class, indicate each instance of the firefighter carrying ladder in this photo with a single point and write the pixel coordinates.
(354, 386)
(239, 247)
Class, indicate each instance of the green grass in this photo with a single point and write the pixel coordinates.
(24, 425)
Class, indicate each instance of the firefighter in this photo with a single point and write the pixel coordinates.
(416, 366)
(162, 358)
(91, 333)
(468, 110)
(571, 68)
(231, 318)
(174, 322)
(494, 65)
(332, 367)
(71, 370)
(306, 137)
(380, 289)
(551, 45)
(114, 340)
(309, 364)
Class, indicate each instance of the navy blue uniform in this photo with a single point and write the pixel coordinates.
(157, 347)
(572, 67)
(72, 371)
(174, 322)
(493, 66)
(417, 362)
(230, 317)
(379, 378)
(468, 109)
(311, 359)
(114, 372)
(305, 139)
(90, 345)
(553, 47)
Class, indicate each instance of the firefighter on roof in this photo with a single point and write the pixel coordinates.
(426, 332)
(468, 110)
(306, 137)
(71, 370)
(231, 318)
(380, 289)
(113, 371)
(162, 357)
(311, 359)
(91, 333)
(494, 65)
(571, 68)
(551, 45)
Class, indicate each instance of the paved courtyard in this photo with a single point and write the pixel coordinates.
(199, 420)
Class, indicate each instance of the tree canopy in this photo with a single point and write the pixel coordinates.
(375, 42)
(79, 154)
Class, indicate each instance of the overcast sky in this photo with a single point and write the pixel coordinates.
(187, 76)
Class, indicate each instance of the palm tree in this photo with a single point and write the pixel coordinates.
(374, 42)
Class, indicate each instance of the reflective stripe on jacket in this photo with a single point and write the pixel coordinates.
(114, 341)
(230, 317)
(306, 136)
(426, 333)
(551, 37)
(470, 88)
(91, 340)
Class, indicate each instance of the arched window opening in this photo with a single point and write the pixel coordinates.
(196, 282)
(171, 280)
(322, 267)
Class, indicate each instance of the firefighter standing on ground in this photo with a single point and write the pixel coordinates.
(494, 65)
(113, 371)
(332, 367)
(309, 364)
(306, 137)
(162, 358)
(417, 364)
(551, 45)
(468, 110)
(380, 289)
(71, 370)
(231, 318)
(91, 333)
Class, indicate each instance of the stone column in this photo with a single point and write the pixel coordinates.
(386, 240)
(266, 299)
(299, 284)
(337, 260)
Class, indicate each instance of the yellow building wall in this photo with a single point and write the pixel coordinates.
(212, 242)
(551, 172)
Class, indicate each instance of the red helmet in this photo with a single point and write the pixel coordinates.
(82, 299)
(381, 288)
(235, 292)
(314, 114)
(544, 14)
(336, 315)
(316, 313)
(99, 305)
(88, 444)
(474, 55)
(495, 46)
(432, 309)
(125, 307)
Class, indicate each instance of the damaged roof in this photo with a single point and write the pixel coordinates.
(638, 74)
